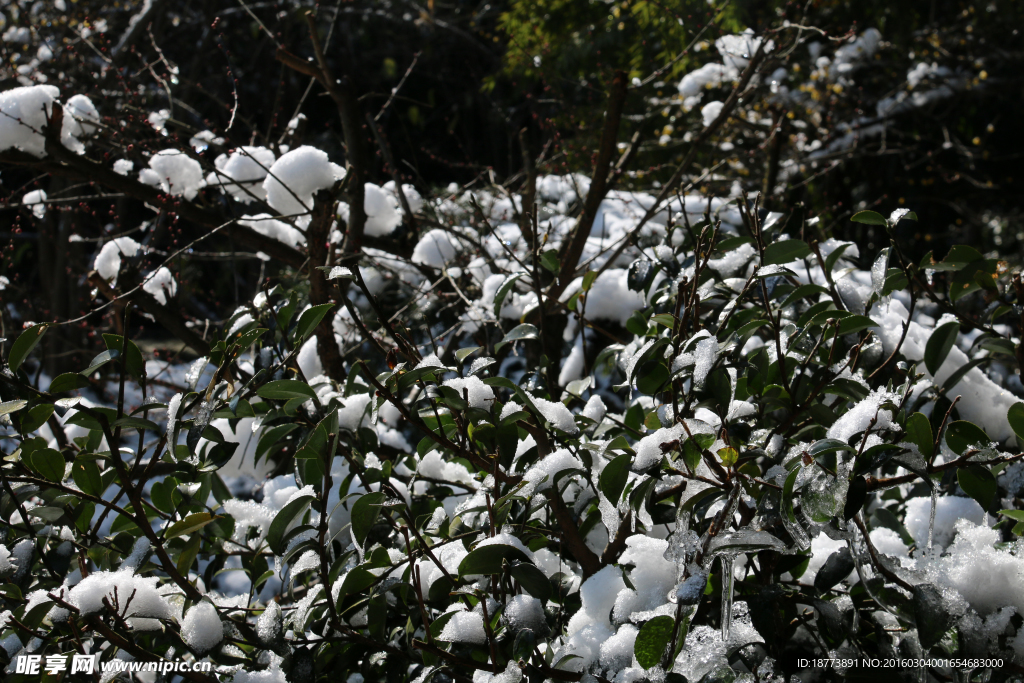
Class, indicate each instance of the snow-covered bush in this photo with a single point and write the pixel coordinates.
(556, 430)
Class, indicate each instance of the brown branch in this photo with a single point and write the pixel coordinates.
(317, 235)
(573, 249)
(174, 324)
(62, 161)
(589, 562)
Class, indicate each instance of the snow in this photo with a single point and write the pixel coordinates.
(479, 394)
(271, 227)
(551, 465)
(609, 297)
(705, 650)
(595, 408)
(308, 359)
(108, 260)
(433, 466)
(175, 173)
(23, 114)
(241, 173)
(888, 542)
(412, 196)
(161, 285)
(737, 49)
(710, 111)
(617, 652)
(556, 413)
(123, 166)
(82, 114)
(858, 418)
(353, 414)
(382, 214)
(590, 627)
(147, 605)
(7, 563)
(987, 577)
(201, 628)
(268, 625)
(653, 576)
(297, 176)
(948, 511)
(511, 674)
(648, 449)
(524, 611)
(707, 76)
(983, 401)
(436, 248)
(241, 463)
(705, 355)
(464, 627)
(505, 538)
(430, 361)
(36, 199)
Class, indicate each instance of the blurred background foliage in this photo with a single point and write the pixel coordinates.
(458, 88)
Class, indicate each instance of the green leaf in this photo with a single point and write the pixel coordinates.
(188, 555)
(652, 641)
(69, 381)
(919, 433)
(961, 435)
(728, 456)
(959, 256)
(24, 344)
(938, 346)
(855, 497)
(283, 519)
(978, 483)
(503, 289)
(549, 259)
(588, 280)
(87, 476)
(835, 255)
(819, 448)
(337, 273)
(189, 525)
(785, 252)
(49, 463)
(869, 217)
(8, 407)
(802, 292)
(787, 494)
(533, 580)
(1015, 415)
(488, 559)
(462, 354)
(137, 423)
(134, 363)
(664, 319)
(34, 418)
(652, 377)
(613, 477)
(1015, 515)
(855, 323)
(365, 512)
(309, 319)
(525, 642)
(286, 389)
(517, 333)
(356, 581)
(271, 437)
(100, 360)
